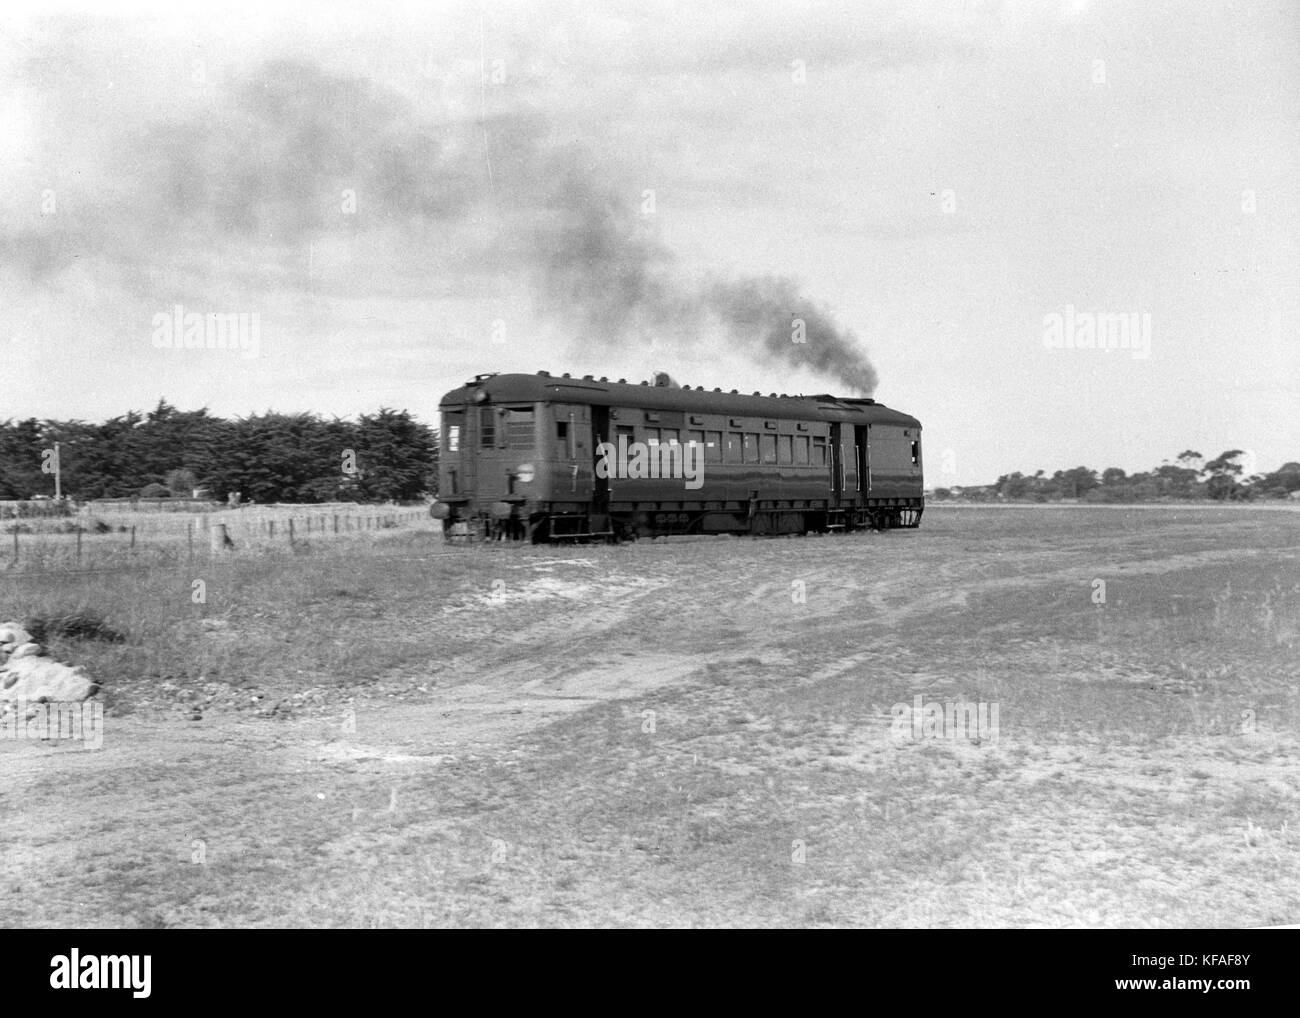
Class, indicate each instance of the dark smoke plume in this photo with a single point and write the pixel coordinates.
(764, 310)
(239, 189)
(600, 267)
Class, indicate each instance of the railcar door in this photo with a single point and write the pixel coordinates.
(456, 457)
(862, 457)
(837, 467)
(470, 443)
(850, 478)
(600, 485)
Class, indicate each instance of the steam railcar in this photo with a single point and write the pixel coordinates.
(547, 458)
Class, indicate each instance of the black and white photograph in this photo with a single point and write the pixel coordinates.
(649, 464)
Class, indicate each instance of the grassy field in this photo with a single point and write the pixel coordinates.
(389, 731)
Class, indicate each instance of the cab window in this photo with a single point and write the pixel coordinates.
(519, 428)
(453, 424)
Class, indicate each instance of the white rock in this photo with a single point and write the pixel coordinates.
(12, 635)
(40, 678)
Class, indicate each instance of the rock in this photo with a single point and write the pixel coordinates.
(25, 650)
(12, 635)
(39, 678)
(25, 675)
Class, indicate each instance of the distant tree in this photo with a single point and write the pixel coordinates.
(181, 482)
(395, 453)
(1113, 476)
(1226, 463)
(154, 490)
(1224, 472)
(1176, 482)
(1280, 483)
(1075, 482)
(21, 445)
(269, 457)
(1014, 486)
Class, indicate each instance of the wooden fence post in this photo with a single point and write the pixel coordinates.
(219, 540)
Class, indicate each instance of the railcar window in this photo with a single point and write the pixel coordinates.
(453, 424)
(519, 427)
(696, 439)
(733, 446)
(487, 418)
(784, 448)
(669, 436)
(651, 436)
(767, 446)
(713, 447)
(916, 453)
(819, 451)
(622, 432)
(751, 447)
(801, 450)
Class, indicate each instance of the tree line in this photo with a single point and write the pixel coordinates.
(270, 457)
(1190, 476)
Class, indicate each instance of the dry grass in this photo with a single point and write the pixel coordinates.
(274, 621)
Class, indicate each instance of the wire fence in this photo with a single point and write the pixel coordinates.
(109, 541)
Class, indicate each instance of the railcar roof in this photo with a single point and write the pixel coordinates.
(542, 387)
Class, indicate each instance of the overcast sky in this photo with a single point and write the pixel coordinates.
(408, 196)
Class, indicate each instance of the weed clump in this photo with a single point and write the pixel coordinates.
(77, 625)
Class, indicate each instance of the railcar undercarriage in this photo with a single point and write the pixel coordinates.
(651, 520)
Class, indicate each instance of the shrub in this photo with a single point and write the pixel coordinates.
(77, 625)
